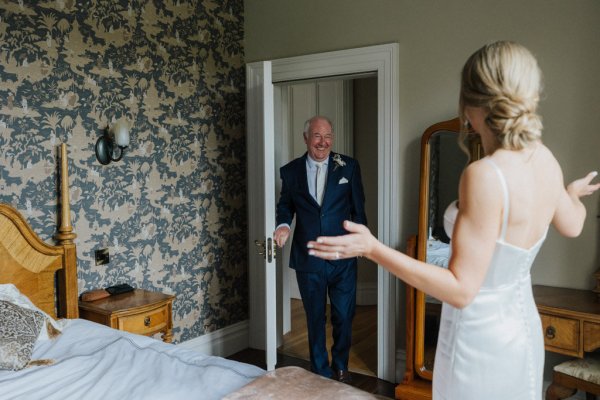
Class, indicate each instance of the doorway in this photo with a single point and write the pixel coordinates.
(383, 62)
(350, 102)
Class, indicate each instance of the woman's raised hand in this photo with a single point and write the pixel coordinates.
(358, 242)
(582, 187)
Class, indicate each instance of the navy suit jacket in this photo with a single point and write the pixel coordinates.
(343, 199)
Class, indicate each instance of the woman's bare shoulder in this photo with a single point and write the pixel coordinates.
(479, 179)
(549, 163)
(478, 171)
(547, 153)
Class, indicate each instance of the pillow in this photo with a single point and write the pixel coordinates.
(10, 293)
(19, 330)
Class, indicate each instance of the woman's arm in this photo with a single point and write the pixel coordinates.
(474, 240)
(570, 212)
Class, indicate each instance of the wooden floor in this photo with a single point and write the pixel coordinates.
(363, 353)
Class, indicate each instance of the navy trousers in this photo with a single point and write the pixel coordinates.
(340, 283)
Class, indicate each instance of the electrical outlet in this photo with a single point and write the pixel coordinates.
(102, 256)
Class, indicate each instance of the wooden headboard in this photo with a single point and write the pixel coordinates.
(45, 273)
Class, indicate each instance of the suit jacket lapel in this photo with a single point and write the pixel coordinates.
(329, 185)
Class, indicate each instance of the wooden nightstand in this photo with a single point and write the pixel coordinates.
(141, 311)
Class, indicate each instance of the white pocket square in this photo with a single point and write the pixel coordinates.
(343, 180)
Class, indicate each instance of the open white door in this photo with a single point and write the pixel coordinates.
(382, 61)
(261, 209)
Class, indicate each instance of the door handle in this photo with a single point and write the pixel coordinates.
(261, 247)
(270, 250)
(274, 247)
(266, 248)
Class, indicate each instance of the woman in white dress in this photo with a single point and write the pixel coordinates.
(490, 343)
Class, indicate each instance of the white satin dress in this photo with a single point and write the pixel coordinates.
(493, 349)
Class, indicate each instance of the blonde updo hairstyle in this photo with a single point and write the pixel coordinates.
(505, 80)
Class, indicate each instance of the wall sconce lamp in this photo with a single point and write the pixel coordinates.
(111, 145)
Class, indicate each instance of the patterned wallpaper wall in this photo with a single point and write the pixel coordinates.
(173, 211)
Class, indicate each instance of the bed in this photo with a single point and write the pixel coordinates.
(47, 352)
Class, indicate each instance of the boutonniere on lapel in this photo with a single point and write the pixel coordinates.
(337, 159)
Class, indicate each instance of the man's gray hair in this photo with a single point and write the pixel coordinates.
(316, 117)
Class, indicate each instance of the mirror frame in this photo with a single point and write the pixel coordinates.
(476, 152)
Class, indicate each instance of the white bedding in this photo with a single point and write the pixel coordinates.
(438, 253)
(92, 361)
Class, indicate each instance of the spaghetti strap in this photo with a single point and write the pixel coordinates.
(506, 198)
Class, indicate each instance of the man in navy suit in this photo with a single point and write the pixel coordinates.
(322, 189)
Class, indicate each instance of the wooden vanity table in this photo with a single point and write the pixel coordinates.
(570, 319)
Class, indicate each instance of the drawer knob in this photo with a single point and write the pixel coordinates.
(147, 321)
(550, 332)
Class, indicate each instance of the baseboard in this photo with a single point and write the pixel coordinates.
(223, 342)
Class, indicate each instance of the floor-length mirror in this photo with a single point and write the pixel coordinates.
(442, 163)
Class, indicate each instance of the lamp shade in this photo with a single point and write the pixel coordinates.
(120, 131)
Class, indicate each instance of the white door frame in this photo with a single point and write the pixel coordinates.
(261, 206)
(384, 61)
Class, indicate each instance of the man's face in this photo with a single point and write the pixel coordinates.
(319, 140)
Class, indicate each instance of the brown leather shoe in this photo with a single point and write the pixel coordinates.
(342, 376)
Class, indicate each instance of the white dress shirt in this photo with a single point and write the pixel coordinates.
(311, 176)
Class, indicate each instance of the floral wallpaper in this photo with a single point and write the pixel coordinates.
(173, 211)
